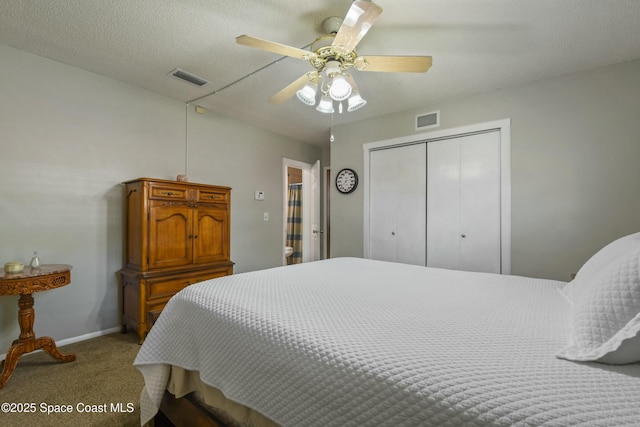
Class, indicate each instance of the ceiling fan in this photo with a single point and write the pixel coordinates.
(332, 55)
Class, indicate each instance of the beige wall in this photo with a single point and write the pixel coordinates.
(575, 150)
(69, 137)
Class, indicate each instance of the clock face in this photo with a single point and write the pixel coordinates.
(346, 181)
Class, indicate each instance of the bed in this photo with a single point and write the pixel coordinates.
(357, 342)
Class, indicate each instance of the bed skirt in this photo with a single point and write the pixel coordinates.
(184, 384)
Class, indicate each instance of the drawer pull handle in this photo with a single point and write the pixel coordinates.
(215, 197)
(167, 193)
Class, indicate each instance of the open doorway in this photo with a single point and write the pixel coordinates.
(301, 218)
(293, 233)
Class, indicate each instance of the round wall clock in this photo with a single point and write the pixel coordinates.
(346, 181)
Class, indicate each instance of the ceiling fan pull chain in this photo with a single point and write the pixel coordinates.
(331, 138)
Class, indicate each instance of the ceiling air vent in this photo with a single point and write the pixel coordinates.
(428, 120)
(188, 77)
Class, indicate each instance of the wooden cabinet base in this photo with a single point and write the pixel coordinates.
(144, 295)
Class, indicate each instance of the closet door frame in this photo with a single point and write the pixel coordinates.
(503, 126)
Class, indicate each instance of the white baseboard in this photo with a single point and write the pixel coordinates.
(79, 338)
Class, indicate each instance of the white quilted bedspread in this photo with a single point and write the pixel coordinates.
(354, 342)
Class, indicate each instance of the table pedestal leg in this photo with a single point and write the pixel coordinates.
(27, 342)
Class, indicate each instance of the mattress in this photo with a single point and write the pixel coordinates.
(355, 342)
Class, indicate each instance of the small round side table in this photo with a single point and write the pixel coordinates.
(43, 278)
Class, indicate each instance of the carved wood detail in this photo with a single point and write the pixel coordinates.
(25, 284)
(29, 285)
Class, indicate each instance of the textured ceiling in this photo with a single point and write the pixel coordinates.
(476, 45)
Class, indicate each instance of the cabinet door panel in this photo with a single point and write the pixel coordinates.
(210, 235)
(397, 200)
(480, 201)
(443, 204)
(170, 237)
(411, 210)
(463, 203)
(382, 205)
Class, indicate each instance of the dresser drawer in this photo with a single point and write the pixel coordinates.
(168, 192)
(212, 275)
(164, 288)
(213, 196)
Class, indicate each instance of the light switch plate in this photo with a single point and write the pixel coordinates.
(259, 195)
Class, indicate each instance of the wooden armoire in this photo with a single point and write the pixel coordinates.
(176, 234)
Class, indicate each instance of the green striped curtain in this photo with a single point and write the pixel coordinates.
(294, 223)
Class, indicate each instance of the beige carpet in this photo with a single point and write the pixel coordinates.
(101, 378)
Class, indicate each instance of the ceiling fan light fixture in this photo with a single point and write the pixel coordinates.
(332, 68)
(332, 56)
(355, 102)
(325, 105)
(308, 93)
(340, 88)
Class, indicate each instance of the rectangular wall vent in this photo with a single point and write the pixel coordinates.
(428, 120)
(188, 77)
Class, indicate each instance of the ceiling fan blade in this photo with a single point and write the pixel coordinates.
(274, 47)
(292, 88)
(394, 64)
(356, 23)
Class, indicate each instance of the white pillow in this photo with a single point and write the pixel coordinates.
(598, 262)
(606, 314)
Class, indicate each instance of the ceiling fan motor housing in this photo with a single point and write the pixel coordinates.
(332, 24)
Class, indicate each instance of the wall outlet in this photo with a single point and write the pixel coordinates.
(266, 216)
(259, 195)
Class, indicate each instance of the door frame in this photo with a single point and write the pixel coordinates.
(503, 126)
(310, 197)
(326, 188)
